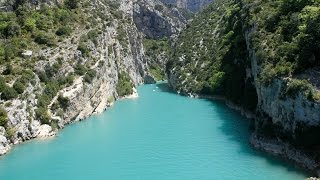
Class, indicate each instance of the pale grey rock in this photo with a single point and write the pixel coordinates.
(191, 5)
(26, 53)
(4, 145)
(285, 150)
(45, 131)
(34, 127)
(2, 131)
(156, 20)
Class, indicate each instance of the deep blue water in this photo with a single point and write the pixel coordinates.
(159, 135)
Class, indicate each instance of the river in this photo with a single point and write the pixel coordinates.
(159, 135)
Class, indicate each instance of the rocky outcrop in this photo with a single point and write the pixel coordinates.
(191, 5)
(285, 150)
(156, 20)
(284, 123)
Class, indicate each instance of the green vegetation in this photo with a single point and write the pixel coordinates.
(211, 56)
(158, 50)
(91, 73)
(3, 117)
(43, 115)
(84, 49)
(124, 86)
(155, 47)
(157, 72)
(64, 30)
(63, 102)
(32, 29)
(10, 133)
(8, 93)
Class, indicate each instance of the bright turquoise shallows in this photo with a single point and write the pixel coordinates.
(159, 135)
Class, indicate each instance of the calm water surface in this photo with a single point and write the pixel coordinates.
(160, 135)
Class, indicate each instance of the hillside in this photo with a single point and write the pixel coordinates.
(262, 56)
(60, 62)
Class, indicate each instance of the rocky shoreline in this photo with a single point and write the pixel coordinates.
(45, 131)
(279, 148)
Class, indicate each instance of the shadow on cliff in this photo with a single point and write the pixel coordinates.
(164, 87)
(237, 129)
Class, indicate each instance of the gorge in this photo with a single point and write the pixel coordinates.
(140, 139)
(63, 61)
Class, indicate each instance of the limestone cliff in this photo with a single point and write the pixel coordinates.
(97, 56)
(191, 5)
(234, 53)
(156, 20)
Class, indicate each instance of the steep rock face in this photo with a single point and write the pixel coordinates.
(191, 5)
(287, 119)
(156, 20)
(115, 43)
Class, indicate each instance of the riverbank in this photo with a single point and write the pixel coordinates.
(159, 134)
(45, 131)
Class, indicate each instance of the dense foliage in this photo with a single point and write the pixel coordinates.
(212, 55)
(124, 86)
(158, 52)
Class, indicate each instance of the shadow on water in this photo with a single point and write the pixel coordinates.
(164, 87)
(237, 129)
(239, 132)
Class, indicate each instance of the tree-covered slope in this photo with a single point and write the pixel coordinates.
(262, 56)
(212, 54)
(61, 61)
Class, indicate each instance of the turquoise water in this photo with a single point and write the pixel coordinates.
(160, 135)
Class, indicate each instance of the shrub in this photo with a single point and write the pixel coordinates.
(43, 115)
(71, 4)
(295, 86)
(8, 93)
(80, 69)
(30, 24)
(8, 70)
(45, 39)
(90, 75)
(19, 86)
(43, 100)
(63, 102)
(10, 133)
(64, 30)
(92, 34)
(84, 49)
(12, 29)
(2, 83)
(124, 86)
(3, 117)
(43, 76)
